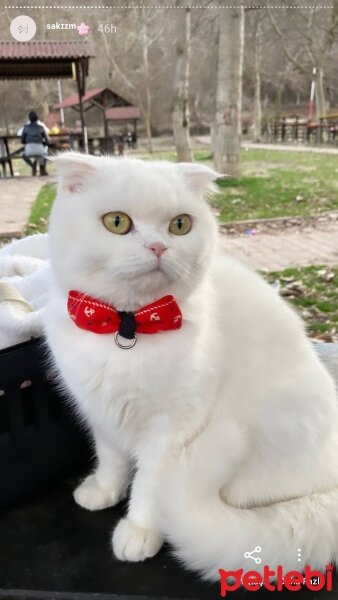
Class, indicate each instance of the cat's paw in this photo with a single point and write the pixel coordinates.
(134, 543)
(90, 495)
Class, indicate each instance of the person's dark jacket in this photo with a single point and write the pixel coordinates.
(33, 133)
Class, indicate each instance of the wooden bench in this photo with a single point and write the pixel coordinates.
(6, 159)
(7, 155)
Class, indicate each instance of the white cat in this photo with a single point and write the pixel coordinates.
(228, 423)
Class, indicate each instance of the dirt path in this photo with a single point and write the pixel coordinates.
(17, 196)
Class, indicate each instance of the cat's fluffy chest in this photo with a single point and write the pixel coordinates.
(164, 377)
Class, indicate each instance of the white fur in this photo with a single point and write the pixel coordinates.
(228, 425)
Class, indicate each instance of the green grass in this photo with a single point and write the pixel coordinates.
(313, 291)
(273, 184)
(278, 184)
(38, 220)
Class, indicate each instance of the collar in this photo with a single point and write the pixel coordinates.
(93, 315)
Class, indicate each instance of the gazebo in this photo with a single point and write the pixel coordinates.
(107, 101)
(48, 60)
(124, 114)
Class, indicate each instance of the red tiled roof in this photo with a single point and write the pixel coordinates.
(111, 98)
(45, 50)
(73, 100)
(121, 113)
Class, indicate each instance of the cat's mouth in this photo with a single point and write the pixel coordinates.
(154, 271)
(156, 268)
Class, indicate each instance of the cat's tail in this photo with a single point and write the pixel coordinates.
(207, 534)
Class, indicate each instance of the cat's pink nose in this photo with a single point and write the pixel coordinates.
(157, 248)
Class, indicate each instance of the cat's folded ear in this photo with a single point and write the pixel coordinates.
(74, 170)
(199, 177)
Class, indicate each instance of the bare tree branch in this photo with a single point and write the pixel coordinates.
(289, 56)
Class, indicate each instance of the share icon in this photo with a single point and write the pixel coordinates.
(255, 558)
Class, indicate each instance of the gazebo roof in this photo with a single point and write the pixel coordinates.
(99, 96)
(123, 113)
(37, 60)
(111, 105)
(73, 100)
(43, 50)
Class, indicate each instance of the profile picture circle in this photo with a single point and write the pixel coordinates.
(23, 28)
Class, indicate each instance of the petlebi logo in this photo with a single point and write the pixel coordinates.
(276, 580)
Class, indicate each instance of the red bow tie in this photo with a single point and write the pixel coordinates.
(96, 316)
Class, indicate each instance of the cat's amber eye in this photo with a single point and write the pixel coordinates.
(117, 222)
(180, 225)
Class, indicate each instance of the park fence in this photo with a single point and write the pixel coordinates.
(296, 130)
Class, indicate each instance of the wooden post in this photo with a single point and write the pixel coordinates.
(9, 157)
(80, 78)
(135, 131)
(105, 123)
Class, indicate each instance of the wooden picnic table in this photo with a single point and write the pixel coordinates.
(11, 147)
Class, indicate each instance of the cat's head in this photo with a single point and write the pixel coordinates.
(129, 231)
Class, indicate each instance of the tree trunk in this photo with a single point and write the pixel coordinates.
(148, 126)
(320, 93)
(34, 96)
(148, 107)
(5, 115)
(181, 113)
(226, 129)
(44, 109)
(257, 120)
(279, 100)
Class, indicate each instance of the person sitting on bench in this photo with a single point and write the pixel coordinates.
(36, 140)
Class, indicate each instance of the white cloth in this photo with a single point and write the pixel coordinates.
(33, 246)
(25, 265)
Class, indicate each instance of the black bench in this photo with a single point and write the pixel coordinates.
(50, 548)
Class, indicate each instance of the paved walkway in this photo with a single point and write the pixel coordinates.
(290, 148)
(17, 196)
(285, 249)
(206, 141)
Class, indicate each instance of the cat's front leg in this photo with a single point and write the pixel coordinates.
(109, 482)
(136, 537)
(203, 462)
